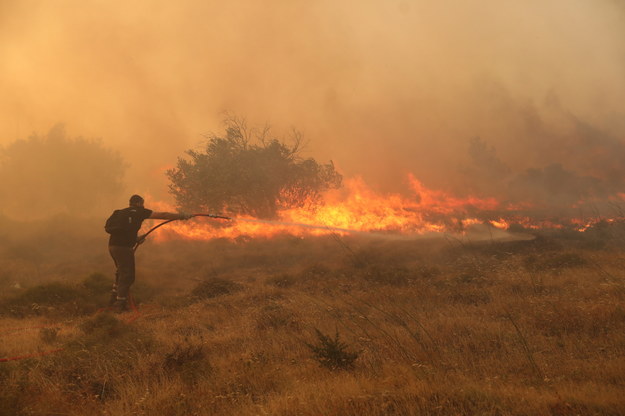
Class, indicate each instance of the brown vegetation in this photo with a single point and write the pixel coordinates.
(430, 327)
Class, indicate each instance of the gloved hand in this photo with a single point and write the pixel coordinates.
(185, 216)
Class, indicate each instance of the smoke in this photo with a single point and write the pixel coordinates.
(382, 88)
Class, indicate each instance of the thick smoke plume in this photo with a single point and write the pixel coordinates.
(518, 100)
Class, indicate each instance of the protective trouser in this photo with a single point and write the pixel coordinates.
(124, 258)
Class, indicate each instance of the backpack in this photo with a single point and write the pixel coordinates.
(120, 221)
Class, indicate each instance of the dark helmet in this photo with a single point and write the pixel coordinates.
(136, 200)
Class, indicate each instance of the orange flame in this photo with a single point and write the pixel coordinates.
(358, 209)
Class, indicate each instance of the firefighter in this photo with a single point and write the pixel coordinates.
(123, 226)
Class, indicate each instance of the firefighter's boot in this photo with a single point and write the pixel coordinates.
(120, 305)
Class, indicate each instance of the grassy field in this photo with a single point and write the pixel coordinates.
(316, 326)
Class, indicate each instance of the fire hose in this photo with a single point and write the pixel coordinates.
(151, 230)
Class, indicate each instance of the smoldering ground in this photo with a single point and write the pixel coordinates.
(382, 87)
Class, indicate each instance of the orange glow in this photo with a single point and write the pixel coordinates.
(358, 209)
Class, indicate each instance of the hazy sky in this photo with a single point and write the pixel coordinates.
(382, 87)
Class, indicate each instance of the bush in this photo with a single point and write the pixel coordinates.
(246, 172)
(331, 353)
(43, 299)
(58, 298)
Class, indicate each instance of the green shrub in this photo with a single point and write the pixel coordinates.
(50, 294)
(331, 353)
(43, 299)
(56, 298)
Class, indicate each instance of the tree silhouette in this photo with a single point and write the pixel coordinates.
(53, 174)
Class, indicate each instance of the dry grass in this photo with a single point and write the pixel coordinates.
(440, 328)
